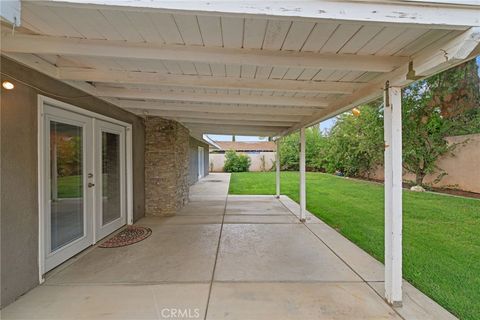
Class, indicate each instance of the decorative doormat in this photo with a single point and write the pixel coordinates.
(131, 235)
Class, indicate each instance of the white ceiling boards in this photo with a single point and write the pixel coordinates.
(241, 67)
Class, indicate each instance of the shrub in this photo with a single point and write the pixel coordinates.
(236, 162)
(355, 143)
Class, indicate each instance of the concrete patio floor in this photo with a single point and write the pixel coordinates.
(224, 257)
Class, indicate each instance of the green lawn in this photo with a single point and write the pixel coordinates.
(441, 234)
(71, 186)
(68, 187)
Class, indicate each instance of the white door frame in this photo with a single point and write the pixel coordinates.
(101, 230)
(41, 101)
(201, 162)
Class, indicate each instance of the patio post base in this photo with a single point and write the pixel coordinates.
(396, 304)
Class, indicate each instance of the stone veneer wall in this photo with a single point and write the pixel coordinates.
(166, 166)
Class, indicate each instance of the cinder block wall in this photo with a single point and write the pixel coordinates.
(463, 171)
(166, 166)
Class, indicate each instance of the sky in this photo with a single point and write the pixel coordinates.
(325, 125)
(478, 64)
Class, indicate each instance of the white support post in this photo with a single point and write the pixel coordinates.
(303, 198)
(277, 167)
(393, 194)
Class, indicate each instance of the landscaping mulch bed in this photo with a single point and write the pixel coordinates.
(454, 192)
(460, 193)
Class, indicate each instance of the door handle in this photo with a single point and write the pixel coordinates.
(90, 185)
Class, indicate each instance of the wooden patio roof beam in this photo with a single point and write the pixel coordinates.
(219, 116)
(21, 43)
(154, 105)
(427, 63)
(199, 81)
(113, 92)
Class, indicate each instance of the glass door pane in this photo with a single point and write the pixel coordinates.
(110, 168)
(111, 185)
(66, 184)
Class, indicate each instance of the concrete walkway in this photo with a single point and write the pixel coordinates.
(224, 257)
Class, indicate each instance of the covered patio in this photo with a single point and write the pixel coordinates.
(167, 72)
(224, 257)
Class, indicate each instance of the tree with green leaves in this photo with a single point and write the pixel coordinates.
(444, 105)
(314, 153)
(355, 143)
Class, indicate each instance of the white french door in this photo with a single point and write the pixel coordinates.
(68, 200)
(84, 182)
(110, 183)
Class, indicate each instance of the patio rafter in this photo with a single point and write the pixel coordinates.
(267, 123)
(21, 43)
(104, 91)
(244, 129)
(219, 116)
(429, 62)
(159, 105)
(201, 81)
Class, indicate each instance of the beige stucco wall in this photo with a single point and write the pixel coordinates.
(19, 168)
(218, 161)
(463, 169)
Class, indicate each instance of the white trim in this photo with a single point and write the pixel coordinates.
(440, 13)
(101, 230)
(201, 162)
(53, 258)
(41, 202)
(95, 173)
(41, 101)
(303, 195)
(211, 142)
(69, 107)
(129, 175)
